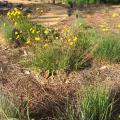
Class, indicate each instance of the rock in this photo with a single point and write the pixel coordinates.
(26, 72)
(103, 67)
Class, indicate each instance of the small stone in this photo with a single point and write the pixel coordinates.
(103, 67)
(27, 72)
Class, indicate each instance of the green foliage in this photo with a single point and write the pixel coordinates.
(78, 2)
(94, 105)
(101, 45)
(6, 28)
(108, 48)
(50, 58)
(16, 22)
(78, 51)
(7, 108)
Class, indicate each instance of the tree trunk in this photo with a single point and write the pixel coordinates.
(53, 1)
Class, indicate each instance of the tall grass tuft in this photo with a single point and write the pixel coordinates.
(50, 58)
(108, 48)
(8, 110)
(95, 105)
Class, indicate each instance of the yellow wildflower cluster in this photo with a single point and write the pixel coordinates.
(65, 31)
(72, 40)
(104, 27)
(46, 31)
(32, 30)
(37, 38)
(29, 15)
(115, 15)
(118, 26)
(107, 27)
(17, 35)
(28, 41)
(14, 13)
(68, 36)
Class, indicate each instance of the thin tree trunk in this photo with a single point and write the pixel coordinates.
(53, 1)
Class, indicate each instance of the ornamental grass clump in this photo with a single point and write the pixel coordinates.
(108, 48)
(94, 104)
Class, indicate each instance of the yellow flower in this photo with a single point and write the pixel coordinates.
(12, 13)
(46, 31)
(105, 29)
(69, 40)
(37, 38)
(15, 14)
(18, 36)
(33, 31)
(28, 41)
(15, 9)
(28, 16)
(118, 25)
(8, 14)
(71, 43)
(115, 15)
(18, 12)
(75, 39)
(15, 23)
(16, 33)
(3, 40)
(46, 40)
(45, 45)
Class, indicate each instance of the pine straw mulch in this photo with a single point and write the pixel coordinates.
(21, 83)
(49, 94)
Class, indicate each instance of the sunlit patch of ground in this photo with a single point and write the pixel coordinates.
(106, 19)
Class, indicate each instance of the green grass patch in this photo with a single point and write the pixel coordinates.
(95, 104)
(108, 48)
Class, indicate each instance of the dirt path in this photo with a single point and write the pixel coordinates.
(26, 1)
(103, 17)
(54, 16)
